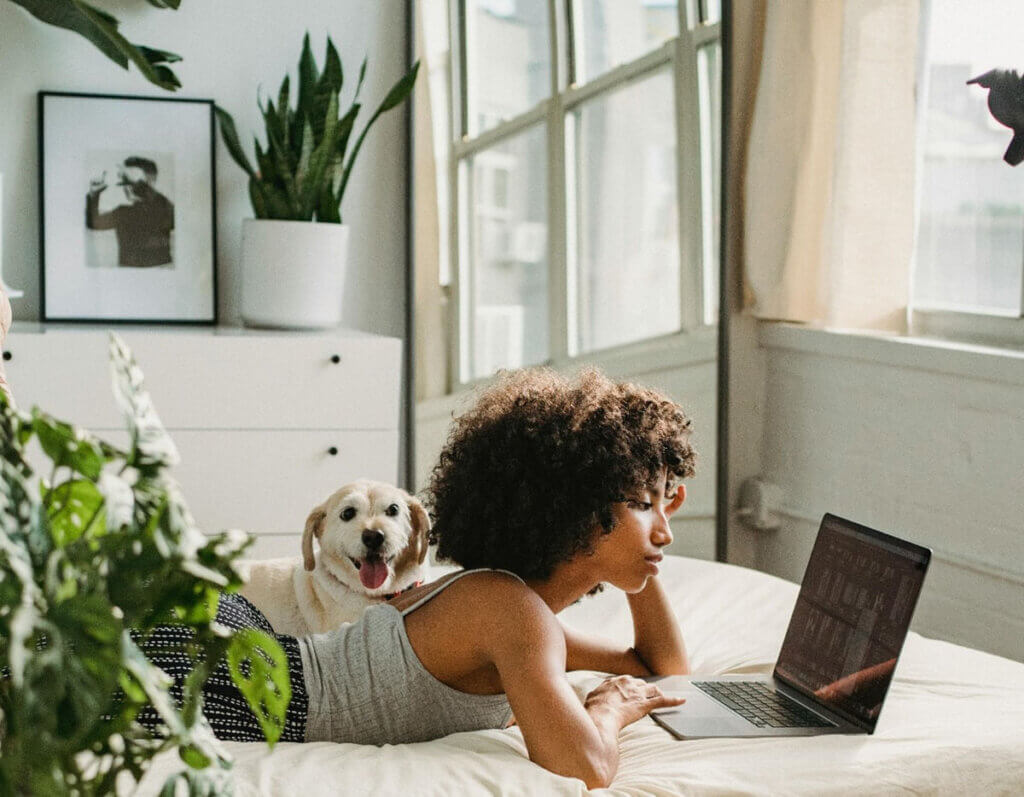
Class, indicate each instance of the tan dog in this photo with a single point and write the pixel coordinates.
(372, 543)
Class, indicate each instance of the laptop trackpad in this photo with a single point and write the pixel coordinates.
(700, 715)
(694, 725)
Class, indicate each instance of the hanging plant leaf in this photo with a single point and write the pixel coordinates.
(101, 29)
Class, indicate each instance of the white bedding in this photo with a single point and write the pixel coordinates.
(953, 722)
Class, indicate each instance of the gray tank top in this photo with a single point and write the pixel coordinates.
(367, 685)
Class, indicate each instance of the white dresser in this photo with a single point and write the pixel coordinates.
(267, 423)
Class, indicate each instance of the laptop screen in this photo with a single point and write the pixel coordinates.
(851, 617)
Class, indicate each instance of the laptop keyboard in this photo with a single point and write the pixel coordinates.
(758, 704)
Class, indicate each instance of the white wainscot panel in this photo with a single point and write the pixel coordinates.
(273, 546)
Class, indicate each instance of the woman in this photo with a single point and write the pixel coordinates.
(546, 489)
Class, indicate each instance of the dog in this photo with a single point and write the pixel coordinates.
(373, 544)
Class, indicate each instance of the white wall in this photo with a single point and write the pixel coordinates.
(231, 48)
(925, 441)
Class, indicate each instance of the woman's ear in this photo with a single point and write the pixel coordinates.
(677, 500)
(314, 528)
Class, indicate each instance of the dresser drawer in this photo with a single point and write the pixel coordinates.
(264, 482)
(267, 482)
(216, 381)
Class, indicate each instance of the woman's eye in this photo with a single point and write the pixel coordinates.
(392, 510)
(644, 505)
(348, 513)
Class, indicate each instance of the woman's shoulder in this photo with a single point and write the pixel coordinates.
(482, 589)
(482, 585)
(501, 602)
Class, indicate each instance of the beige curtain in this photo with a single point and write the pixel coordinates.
(828, 201)
(430, 339)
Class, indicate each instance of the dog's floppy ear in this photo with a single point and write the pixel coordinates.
(314, 526)
(420, 527)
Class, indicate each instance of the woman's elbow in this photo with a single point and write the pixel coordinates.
(599, 781)
(598, 775)
(595, 770)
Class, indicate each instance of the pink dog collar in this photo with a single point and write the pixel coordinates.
(413, 585)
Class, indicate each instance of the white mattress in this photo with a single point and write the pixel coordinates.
(953, 722)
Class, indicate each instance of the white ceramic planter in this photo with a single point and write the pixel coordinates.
(293, 273)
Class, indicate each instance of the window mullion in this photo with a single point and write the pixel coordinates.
(573, 14)
(502, 131)
(558, 282)
(619, 76)
(460, 89)
(689, 180)
(459, 351)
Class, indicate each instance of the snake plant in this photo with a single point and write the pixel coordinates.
(302, 172)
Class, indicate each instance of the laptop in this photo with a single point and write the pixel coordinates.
(837, 659)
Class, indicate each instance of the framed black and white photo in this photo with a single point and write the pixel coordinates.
(127, 209)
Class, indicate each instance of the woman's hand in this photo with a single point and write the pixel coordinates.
(624, 699)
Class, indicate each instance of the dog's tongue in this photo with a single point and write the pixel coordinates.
(373, 572)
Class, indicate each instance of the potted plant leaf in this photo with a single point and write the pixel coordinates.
(294, 250)
(93, 556)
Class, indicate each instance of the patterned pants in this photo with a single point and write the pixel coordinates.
(223, 704)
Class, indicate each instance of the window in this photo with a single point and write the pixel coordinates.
(969, 258)
(585, 174)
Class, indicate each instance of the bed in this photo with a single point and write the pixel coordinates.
(953, 722)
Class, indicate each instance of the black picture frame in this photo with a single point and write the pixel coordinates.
(127, 209)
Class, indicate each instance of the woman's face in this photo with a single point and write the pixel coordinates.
(629, 555)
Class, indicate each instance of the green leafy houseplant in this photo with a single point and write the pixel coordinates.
(102, 550)
(303, 172)
(101, 29)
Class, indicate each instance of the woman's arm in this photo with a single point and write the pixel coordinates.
(656, 636)
(585, 652)
(528, 647)
(658, 647)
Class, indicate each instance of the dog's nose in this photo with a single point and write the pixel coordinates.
(372, 539)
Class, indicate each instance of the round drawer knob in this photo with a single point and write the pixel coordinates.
(335, 358)
(8, 355)
(333, 451)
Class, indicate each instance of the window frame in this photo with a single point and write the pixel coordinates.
(992, 327)
(995, 329)
(679, 56)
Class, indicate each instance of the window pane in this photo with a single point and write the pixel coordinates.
(613, 32)
(508, 259)
(709, 75)
(970, 244)
(509, 59)
(626, 253)
(710, 11)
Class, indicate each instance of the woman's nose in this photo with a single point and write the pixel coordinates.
(662, 532)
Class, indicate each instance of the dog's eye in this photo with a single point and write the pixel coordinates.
(392, 510)
(348, 513)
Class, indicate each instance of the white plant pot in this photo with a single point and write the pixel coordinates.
(293, 273)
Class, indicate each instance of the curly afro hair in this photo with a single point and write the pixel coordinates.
(528, 475)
